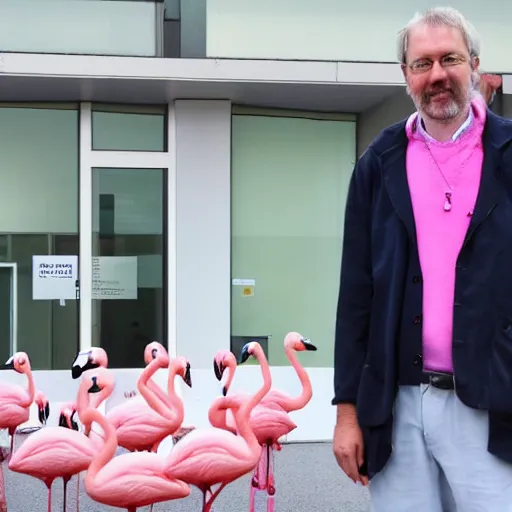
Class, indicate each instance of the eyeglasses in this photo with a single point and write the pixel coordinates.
(447, 61)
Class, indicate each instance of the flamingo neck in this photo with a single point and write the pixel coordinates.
(243, 413)
(108, 449)
(296, 403)
(172, 410)
(28, 399)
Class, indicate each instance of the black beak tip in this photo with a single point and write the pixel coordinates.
(244, 355)
(216, 370)
(309, 346)
(224, 391)
(47, 410)
(62, 421)
(76, 372)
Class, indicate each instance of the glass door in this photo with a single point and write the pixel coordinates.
(129, 263)
(8, 310)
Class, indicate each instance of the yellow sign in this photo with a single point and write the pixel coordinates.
(248, 291)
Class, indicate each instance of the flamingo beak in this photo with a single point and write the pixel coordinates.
(81, 364)
(218, 370)
(188, 377)
(9, 364)
(244, 355)
(308, 345)
(224, 390)
(94, 388)
(42, 419)
(62, 421)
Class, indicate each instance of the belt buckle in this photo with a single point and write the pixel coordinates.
(443, 381)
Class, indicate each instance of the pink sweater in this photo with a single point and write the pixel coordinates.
(440, 233)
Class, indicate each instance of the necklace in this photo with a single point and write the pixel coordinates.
(447, 206)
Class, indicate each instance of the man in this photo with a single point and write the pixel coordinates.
(423, 349)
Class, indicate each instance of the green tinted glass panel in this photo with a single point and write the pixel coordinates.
(289, 183)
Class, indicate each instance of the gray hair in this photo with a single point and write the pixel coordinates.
(440, 16)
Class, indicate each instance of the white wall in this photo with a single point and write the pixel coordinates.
(203, 210)
(337, 30)
(372, 121)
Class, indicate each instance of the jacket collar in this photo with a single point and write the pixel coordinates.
(497, 134)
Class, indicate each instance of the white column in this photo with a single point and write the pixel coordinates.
(203, 214)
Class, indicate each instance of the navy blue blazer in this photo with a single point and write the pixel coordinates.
(379, 317)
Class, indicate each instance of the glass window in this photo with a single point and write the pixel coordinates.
(38, 216)
(123, 128)
(89, 27)
(129, 262)
(289, 181)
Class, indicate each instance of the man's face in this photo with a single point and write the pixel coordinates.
(438, 71)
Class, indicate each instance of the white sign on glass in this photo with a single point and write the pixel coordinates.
(54, 277)
(114, 277)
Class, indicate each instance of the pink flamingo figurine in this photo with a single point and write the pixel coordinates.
(269, 420)
(209, 456)
(138, 426)
(15, 405)
(54, 452)
(130, 480)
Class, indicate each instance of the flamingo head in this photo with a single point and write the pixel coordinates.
(66, 417)
(224, 359)
(88, 359)
(249, 349)
(297, 342)
(183, 369)
(19, 362)
(156, 350)
(43, 407)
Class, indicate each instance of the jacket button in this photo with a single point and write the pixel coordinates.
(418, 358)
(416, 319)
(416, 279)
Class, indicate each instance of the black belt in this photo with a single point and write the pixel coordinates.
(439, 380)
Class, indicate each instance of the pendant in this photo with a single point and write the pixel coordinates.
(447, 201)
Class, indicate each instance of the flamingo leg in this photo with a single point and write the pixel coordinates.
(271, 489)
(49, 485)
(3, 501)
(207, 507)
(258, 482)
(78, 492)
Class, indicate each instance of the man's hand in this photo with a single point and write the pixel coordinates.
(348, 444)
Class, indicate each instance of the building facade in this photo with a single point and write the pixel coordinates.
(177, 171)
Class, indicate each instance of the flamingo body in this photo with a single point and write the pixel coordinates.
(13, 408)
(138, 427)
(53, 452)
(210, 456)
(134, 480)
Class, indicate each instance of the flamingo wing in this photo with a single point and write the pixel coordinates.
(134, 480)
(53, 451)
(137, 425)
(270, 423)
(210, 456)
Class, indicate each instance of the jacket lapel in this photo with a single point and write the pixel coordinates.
(495, 136)
(395, 179)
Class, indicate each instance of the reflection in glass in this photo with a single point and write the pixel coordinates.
(129, 271)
